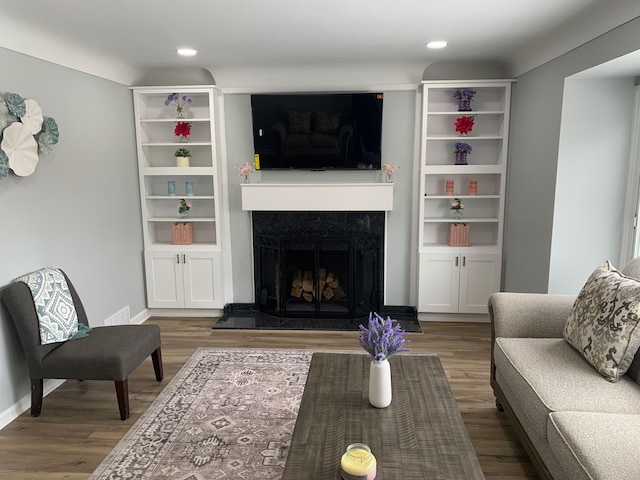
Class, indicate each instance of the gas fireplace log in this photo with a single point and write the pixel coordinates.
(297, 279)
(328, 292)
(307, 296)
(322, 279)
(296, 292)
(339, 293)
(307, 281)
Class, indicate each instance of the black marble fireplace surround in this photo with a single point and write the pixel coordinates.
(300, 256)
(316, 270)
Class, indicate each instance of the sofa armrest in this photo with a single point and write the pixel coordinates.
(529, 314)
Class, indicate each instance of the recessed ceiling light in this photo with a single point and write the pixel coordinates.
(437, 44)
(186, 52)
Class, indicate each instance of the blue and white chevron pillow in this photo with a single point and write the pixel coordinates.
(56, 312)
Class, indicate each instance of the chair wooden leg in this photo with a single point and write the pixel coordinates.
(36, 396)
(156, 356)
(122, 391)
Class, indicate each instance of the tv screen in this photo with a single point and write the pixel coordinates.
(317, 131)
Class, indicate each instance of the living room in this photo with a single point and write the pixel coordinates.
(81, 211)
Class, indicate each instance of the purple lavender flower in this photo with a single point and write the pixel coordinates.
(383, 338)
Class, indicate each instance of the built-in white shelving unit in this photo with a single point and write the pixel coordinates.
(179, 276)
(454, 279)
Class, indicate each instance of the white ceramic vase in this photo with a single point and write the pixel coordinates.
(380, 384)
(182, 161)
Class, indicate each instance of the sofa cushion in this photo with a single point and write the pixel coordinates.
(327, 122)
(547, 375)
(595, 445)
(299, 122)
(604, 322)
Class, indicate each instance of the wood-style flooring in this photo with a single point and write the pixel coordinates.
(80, 423)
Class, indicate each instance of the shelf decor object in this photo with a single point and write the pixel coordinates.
(182, 157)
(448, 188)
(461, 151)
(184, 208)
(464, 97)
(182, 233)
(458, 235)
(179, 102)
(464, 125)
(456, 208)
(473, 187)
(182, 131)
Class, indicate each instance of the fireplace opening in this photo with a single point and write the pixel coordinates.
(318, 264)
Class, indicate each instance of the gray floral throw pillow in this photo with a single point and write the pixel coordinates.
(603, 323)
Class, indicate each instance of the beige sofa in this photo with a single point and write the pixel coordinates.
(573, 423)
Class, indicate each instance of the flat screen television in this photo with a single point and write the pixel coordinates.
(317, 131)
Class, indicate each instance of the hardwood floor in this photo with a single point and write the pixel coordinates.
(80, 422)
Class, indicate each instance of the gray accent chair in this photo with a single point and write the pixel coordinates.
(107, 353)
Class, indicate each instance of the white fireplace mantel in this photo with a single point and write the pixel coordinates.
(317, 196)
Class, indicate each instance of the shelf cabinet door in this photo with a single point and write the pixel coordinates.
(165, 284)
(457, 282)
(439, 282)
(479, 278)
(201, 280)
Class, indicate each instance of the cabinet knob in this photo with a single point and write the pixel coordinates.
(177, 258)
(184, 258)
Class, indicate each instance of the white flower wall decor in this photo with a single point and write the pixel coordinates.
(24, 133)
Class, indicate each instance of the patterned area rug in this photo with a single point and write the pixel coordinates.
(227, 414)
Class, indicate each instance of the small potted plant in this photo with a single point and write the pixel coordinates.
(456, 208)
(464, 97)
(461, 151)
(182, 157)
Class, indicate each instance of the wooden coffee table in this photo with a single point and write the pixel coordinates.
(419, 436)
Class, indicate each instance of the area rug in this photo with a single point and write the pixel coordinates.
(227, 414)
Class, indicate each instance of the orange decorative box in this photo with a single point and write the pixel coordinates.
(182, 233)
(458, 235)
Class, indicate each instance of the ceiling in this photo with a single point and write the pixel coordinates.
(117, 39)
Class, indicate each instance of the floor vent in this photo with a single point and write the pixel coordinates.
(121, 317)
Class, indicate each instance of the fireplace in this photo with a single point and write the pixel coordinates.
(318, 264)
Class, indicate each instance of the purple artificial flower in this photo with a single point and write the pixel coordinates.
(383, 338)
(464, 93)
(463, 147)
(175, 99)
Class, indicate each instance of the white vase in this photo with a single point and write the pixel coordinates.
(380, 384)
(182, 161)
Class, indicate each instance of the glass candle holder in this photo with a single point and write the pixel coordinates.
(358, 463)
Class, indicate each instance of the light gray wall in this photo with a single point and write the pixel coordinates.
(533, 157)
(595, 137)
(80, 209)
(397, 149)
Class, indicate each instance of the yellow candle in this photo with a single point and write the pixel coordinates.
(358, 463)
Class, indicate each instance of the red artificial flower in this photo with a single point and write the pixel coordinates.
(183, 129)
(464, 125)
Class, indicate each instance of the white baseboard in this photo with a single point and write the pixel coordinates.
(454, 317)
(24, 404)
(185, 312)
